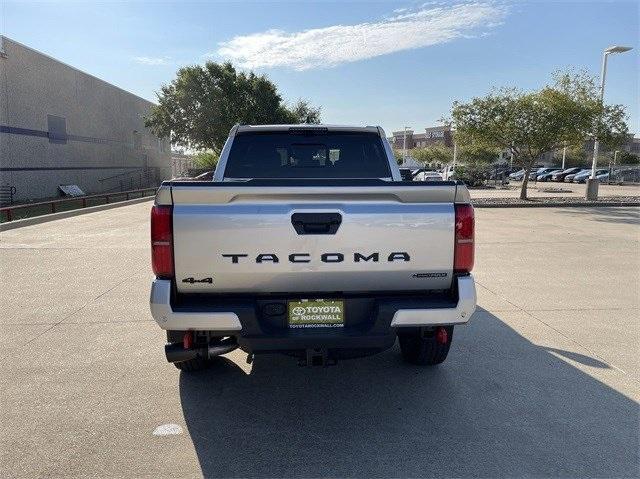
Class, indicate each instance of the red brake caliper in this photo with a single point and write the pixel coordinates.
(441, 335)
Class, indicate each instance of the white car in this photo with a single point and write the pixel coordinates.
(428, 176)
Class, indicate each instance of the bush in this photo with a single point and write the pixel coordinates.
(206, 159)
(473, 174)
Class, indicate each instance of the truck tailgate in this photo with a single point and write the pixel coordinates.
(251, 238)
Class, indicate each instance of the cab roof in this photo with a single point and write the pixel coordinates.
(328, 128)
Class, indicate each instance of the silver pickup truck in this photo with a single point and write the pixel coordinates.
(307, 242)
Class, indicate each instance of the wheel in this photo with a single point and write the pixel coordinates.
(191, 365)
(426, 348)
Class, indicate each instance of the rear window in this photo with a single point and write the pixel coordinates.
(304, 155)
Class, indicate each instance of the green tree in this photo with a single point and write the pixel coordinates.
(577, 156)
(477, 154)
(398, 155)
(206, 159)
(199, 107)
(475, 163)
(433, 155)
(626, 158)
(302, 112)
(530, 124)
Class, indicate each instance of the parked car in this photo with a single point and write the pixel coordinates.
(583, 175)
(448, 173)
(547, 176)
(409, 174)
(518, 175)
(562, 174)
(569, 178)
(498, 171)
(540, 171)
(428, 176)
(500, 175)
(626, 174)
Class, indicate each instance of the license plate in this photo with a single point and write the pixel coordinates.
(316, 313)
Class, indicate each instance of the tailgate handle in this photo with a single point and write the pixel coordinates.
(316, 223)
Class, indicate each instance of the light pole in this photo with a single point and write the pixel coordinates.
(404, 145)
(592, 182)
(455, 158)
(615, 158)
(564, 156)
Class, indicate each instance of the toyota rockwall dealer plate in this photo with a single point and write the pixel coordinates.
(316, 313)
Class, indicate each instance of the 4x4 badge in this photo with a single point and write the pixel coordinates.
(193, 280)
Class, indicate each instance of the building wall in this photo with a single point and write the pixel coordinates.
(434, 135)
(442, 135)
(59, 125)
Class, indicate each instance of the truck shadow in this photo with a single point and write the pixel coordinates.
(499, 406)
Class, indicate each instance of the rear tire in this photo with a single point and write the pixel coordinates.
(192, 365)
(426, 348)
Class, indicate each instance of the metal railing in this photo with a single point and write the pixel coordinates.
(7, 213)
(142, 177)
(6, 194)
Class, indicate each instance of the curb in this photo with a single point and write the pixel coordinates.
(36, 220)
(558, 204)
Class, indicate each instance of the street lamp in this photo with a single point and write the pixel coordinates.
(615, 158)
(592, 182)
(404, 144)
(455, 159)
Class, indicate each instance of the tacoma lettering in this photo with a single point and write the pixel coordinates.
(324, 257)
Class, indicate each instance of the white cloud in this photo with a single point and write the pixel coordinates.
(333, 45)
(153, 61)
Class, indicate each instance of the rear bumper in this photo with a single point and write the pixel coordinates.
(460, 314)
(259, 323)
(168, 318)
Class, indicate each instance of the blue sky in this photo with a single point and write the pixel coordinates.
(387, 63)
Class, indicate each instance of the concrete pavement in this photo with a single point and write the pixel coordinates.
(543, 382)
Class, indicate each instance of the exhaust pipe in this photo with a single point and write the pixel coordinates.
(176, 352)
(225, 346)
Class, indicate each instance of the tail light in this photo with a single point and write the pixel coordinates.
(162, 241)
(464, 247)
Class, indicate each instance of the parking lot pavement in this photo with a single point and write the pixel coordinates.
(544, 381)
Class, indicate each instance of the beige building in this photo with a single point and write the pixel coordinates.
(61, 126)
(434, 135)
